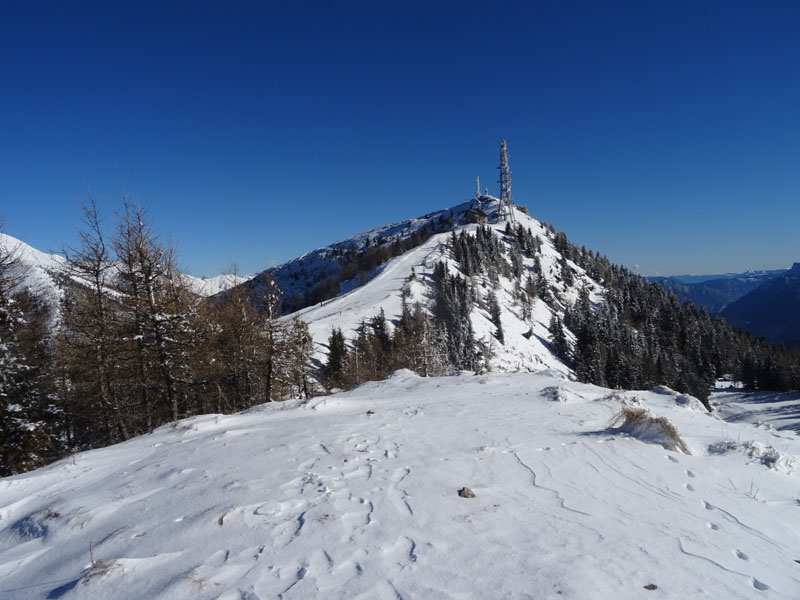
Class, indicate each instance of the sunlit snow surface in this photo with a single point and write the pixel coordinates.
(355, 495)
(526, 346)
(765, 409)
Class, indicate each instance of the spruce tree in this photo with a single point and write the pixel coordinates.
(558, 338)
(494, 313)
(26, 439)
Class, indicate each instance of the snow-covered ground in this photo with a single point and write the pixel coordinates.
(355, 495)
(765, 409)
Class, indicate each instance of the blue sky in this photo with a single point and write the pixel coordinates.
(666, 135)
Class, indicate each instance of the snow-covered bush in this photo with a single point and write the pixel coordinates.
(767, 455)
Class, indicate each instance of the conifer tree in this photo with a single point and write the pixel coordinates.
(337, 356)
(26, 439)
(494, 313)
(558, 338)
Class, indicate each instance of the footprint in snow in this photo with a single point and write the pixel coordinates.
(741, 555)
(713, 526)
(760, 585)
(689, 487)
(690, 474)
(708, 505)
(672, 458)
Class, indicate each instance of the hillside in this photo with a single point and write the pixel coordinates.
(303, 280)
(413, 271)
(357, 299)
(772, 310)
(598, 492)
(355, 495)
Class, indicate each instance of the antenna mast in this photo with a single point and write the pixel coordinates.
(505, 211)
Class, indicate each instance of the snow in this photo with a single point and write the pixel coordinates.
(766, 409)
(210, 286)
(355, 495)
(35, 270)
(304, 272)
(520, 352)
(39, 272)
(383, 291)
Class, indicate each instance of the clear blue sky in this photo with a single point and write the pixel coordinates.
(666, 135)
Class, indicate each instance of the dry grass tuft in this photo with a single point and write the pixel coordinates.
(644, 425)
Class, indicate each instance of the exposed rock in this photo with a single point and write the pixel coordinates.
(465, 492)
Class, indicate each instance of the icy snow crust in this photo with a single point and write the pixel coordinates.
(355, 495)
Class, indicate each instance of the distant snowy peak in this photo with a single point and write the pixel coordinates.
(210, 286)
(40, 272)
(35, 270)
(29, 255)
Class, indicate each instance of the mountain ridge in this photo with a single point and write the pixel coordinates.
(771, 310)
(715, 292)
(39, 272)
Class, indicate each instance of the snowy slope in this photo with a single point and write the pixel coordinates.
(519, 353)
(355, 496)
(210, 286)
(40, 272)
(305, 271)
(766, 409)
(36, 270)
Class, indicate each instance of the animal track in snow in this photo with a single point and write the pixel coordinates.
(672, 458)
(413, 411)
(760, 585)
(403, 553)
(741, 555)
(708, 505)
(397, 496)
(689, 487)
(713, 526)
(690, 474)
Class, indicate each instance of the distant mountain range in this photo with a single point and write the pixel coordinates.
(764, 303)
(772, 310)
(715, 292)
(40, 272)
(751, 274)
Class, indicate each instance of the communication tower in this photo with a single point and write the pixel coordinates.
(505, 212)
